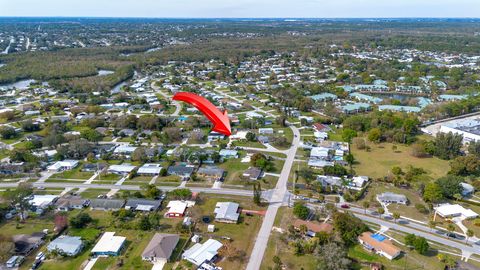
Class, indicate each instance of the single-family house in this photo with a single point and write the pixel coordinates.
(228, 153)
(143, 205)
(67, 245)
(467, 189)
(121, 169)
(227, 212)
(201, 253)
(454, 210)
(109, 245)
(211, 173)
(183, 170)
(178, 208)
(160, 248)
(389, 197)
(64, 165)
(265, 131)
(107, 204)
(379, 244)
(313, 227)
(252, 173)
(150, 169)
(69, 202)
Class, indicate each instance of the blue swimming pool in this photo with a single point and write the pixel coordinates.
(378, 237)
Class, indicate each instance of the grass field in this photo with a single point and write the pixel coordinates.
(72, 174)
(379, 161)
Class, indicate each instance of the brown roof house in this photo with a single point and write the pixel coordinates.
(160, 248)
(313, 227)
(379, 244)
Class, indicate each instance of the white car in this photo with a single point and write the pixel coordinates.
(40, 256)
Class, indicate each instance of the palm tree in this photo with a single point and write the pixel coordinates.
(380, 210)
(432, 224)
(469, 234)
(395, 216)
(450, 228)
(457, 196)
(366, 204)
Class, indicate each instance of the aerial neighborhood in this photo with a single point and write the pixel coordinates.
(345, 153)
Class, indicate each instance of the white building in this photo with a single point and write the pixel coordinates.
(454, 210)
(67, 164)
(150, 169)
(109, 245)
(468, 128)
(121, 169)
(200, 253)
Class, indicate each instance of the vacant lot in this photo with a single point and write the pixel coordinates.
(379, 161)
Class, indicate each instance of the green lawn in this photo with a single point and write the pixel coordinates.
(93, 193)
(73, 174)
(379, 161)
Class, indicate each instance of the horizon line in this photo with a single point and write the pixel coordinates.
(217, 18)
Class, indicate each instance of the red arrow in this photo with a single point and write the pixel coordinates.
(221, 122)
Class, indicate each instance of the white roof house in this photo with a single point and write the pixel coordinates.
(319, 152)
(359, 181)
(124, 149)
(150, 168)
(109, 244)
(454, 210)
(121, 169)
(43, 201)
(226, 212)
(177, 208)
(200, 253)
(240, 135)
(67, 164)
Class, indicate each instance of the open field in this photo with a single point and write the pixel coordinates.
(379, 161)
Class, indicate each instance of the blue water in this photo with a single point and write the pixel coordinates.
(378, 237)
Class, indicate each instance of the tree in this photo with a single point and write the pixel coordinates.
(144, 223)
(448, 145)
(348, 227)
(380, 210)
(251, 137)
(348, 135)
(395, 216)
(421, 245)
(139, 154)
(332, 256)
(350, 159)
(374, 135)
(474, 148)
(432, 193)
(366, 205)
(432, 224)
(80, 221)
(181, 193)
(151, 191)
(300, 210)
(410, 239)
(7, 132)
(469, 233)
(450, 228)
(91, 135)
(257, 193)
(450, 185)
(465, 165)
(16, 197)
(418, 150)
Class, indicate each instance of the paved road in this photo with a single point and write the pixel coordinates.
(226, 191)
(276, 201)
(429, 236)
(178, 106)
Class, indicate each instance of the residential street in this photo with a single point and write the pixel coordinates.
(275, 202)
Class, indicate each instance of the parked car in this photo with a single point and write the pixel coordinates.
(40, 256)
(36, 264)
(345, 206)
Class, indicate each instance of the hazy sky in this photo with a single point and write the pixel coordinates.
(242, 8)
